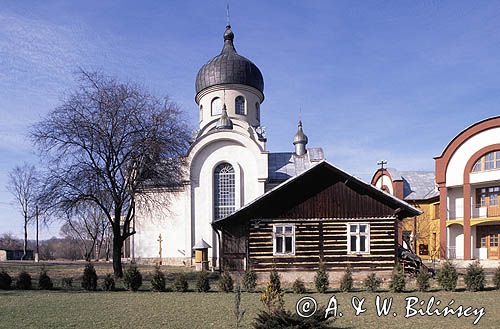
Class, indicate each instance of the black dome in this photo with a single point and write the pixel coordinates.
(229, 67)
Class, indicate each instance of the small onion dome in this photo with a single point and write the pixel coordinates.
(224, 121)
(300, 140)
(201, 244)
(229, 68)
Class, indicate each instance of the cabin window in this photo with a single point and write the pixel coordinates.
(283, 239)
(358, 240)
(239, 105)
(224, 191)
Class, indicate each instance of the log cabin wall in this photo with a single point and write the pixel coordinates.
(322, 240)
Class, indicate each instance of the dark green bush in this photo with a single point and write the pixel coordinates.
(5, 280)
(275, 281)
(372, 283)
(423, 279)
(250, 280)
(89, 279)
(346, 281)
(67, 283)
(475, 278)
(281, 319)
(299, 287)
(44, 281)
(226, 282)
(109, 283)
(447, 276)
(321, 279)
(158, 281)
(132, 278)
(181, 284)
(202, 282)
(496, 278)
(23, 281)
(398, 282)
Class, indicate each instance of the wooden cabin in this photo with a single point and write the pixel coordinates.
(322, 215)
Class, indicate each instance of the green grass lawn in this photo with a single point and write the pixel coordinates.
(145, 309)
(57, 309)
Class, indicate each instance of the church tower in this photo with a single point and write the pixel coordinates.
(228, 159)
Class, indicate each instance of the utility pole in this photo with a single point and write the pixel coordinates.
(160, 240)
(37, 255)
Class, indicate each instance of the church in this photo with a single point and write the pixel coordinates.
(233, 183)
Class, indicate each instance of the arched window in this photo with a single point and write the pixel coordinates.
(239, 105)
(224, 190)
(257, 111)
(201, 113)
(216, 106)
(489, 161)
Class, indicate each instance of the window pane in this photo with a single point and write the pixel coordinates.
(216, 106)
(362, 228)
(483, 241)
(279, 229)
(240, 105)
(362, 243)
(477, 166)
(224, 190)
(279, 244)
(353, 228)
(353, 243)
(288, 244)
(288, 229)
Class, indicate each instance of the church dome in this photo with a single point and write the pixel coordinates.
(229, 67)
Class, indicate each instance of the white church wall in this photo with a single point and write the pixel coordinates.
(386, 180)
(168, 218)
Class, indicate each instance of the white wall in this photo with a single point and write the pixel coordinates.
(165, 216)
(386, 180)
(456, 239)
(457, 163)
(455, 199)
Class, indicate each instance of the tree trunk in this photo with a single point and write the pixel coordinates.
(25, 244)
(117, 250)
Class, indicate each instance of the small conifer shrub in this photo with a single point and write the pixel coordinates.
(89, 279)
(496, 278)
(274, 280)
(5, 280)
(299, 287)
(132, 278)
(158, 281)
(447, 276)
(346, 282)
(250, 280)
(372, 283)
(67, 283)
(226, 283)
(475, 279)
(180, 283)
(23, 281)
(321, 279)
(397, 283)
(202, 282)
(109, 283)
(44, 281)
(423, 279)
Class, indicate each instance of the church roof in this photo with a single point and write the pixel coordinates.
(284, 165)
(417, 185)
(229, 68)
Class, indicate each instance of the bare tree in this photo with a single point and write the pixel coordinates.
(9, 241)
(22, 184)
(104, 143)
(87, 225)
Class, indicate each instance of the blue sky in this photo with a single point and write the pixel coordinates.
(374, 80)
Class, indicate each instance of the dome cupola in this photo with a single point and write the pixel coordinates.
(300, 141)
(229, 68)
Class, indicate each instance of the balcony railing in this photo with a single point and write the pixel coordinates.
(478, 211)
(451, 253)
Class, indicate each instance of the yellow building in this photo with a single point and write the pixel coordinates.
(418, 188)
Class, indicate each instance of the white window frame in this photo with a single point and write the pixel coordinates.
(275, 253)
(358, 234)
